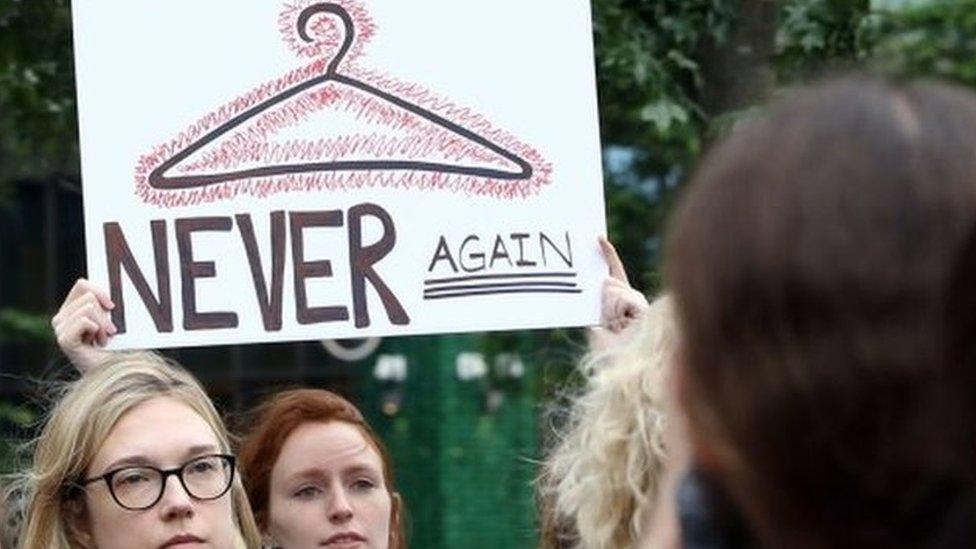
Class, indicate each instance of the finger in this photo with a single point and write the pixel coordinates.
(79, 331)
(94, 312)
(77, 289)
(608, 299)
(104, 319)
(615, 286)
(81, 293)
(94, 315)
(614, 263)
(621, 309)
(89, 304)
(75, 307)
(612, 300)
(83, 285)
(634, 304)
(614, 289)
(71, 305)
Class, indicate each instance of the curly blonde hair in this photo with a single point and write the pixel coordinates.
(601, 478)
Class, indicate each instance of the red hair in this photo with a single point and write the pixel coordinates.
(276, 419)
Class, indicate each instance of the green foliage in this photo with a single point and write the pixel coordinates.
(648, 73)
(649, 80)
(649, 61)
(38, 121)
(19, 326)
(936, 39)
(20, 417)
(818, 35)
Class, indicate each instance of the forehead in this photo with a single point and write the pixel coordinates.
(331, 446)
(161, 429)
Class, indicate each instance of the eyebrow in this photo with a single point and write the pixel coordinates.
(200, 449)
(140, 460)
(361, 468)
(134, 461)
(316, 472)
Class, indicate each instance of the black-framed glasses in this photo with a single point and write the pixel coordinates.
(140, 487)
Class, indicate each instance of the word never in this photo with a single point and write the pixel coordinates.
(362, 261)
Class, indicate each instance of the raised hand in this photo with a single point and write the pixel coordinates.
(621, 303)
(82, 325)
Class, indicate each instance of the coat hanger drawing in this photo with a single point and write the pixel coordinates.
(232, 154)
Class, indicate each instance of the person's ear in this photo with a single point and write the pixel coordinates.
(74, 515)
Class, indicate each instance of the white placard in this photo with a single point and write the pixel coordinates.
(267, 171)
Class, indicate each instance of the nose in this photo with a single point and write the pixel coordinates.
(340, 510)
(175, 504)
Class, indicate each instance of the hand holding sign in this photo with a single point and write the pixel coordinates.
(621, 303)
(82, 325)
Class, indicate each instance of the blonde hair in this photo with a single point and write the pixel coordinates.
(599, 482)
(79, 423)
(11, 515)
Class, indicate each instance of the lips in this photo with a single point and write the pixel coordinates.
(182, 540)
(344, 539)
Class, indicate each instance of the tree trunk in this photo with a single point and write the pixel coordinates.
(738, 72)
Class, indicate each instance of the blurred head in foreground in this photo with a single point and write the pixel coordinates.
(809, 262)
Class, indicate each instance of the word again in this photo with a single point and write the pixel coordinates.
(502, 264)
(515, 250)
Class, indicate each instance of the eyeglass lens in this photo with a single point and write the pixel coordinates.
(203, 478)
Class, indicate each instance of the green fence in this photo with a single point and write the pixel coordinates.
(462, 430)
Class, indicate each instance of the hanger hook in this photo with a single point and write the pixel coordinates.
(335, 9)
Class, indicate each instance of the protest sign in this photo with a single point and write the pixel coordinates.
(262, 171)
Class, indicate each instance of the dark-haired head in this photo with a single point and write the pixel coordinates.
(809, 261)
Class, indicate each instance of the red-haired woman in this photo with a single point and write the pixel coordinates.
(310, 455)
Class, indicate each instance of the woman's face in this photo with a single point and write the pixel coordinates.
(166, 434)
(327, 490)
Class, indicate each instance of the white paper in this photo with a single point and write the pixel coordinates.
(471, 127)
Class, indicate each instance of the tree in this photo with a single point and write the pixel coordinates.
(674, 74)
(38, 120)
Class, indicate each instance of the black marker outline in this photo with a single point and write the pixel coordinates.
(432, 291)
(506, 291)
(159, 180)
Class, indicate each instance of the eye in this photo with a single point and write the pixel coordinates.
(131, 477)
(364, 483)
(203, 466)
(307, 492)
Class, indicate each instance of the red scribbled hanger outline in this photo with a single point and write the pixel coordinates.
(237, 133)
